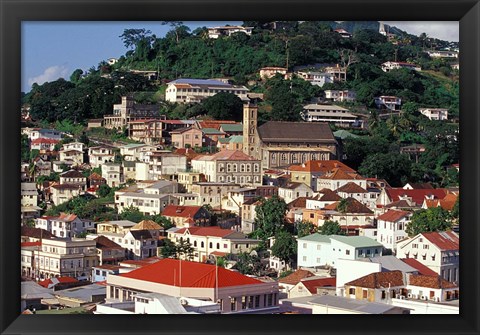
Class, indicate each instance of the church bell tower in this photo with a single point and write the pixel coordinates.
(250, 112)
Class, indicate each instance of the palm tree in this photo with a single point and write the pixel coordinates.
(342, 207)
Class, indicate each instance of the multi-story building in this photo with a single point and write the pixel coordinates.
(339, 177)
(45, 133)
(439, 251)
(29, 194)
(100, 155)
(73, 177)
(149, 131)
(311, 170)
(211, 193)
(148, 204)
(391, 228)
(187, 137)
(70, 225)
(60, 193)
(65, 257)
(187, 216)
(442, 54)
(339, 73)
(212, 241)
(234, 292)
(390, 103)
(128, 111)
(166, 165)
(195, 90)
(341, 95)
(229, 166)
(293, 190)
(43, 144)
(316, 78)
(320, 250)
(281, 144)
(435, 113)
(336, 115)
(109, 252)
(113, 174)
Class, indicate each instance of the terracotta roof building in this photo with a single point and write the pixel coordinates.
(187, 216)
(234, 292)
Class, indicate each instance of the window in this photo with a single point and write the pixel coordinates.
(257, 301)
(304, 245)
(415, 246)
(244, 302)
(364, 294)
(347, 252)
(304, 258)
(425, 246)
(351, 291)
(319, 246)
(233, 304)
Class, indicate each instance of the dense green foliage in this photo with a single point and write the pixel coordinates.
(285, 246)
(270, 218)
(330, 228)
(429, 220)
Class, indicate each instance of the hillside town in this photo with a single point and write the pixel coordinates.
(228, 196)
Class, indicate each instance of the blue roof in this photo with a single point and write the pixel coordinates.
(199, 82)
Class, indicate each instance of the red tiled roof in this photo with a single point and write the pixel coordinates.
(313, 284)
(231, 155)
(353, 206)
(67, 217)
(206, 231)
(446, 203)
(422, 269)
(321, 166)
(95, 176)
(393, 215)
(340, 174)
(180, 211)
(418, 196)
(430, 281)
(300, 202)
(48, 282)
(379, 280)
(351, 187)
(326, 194)
(296, 277)
(214, 123)
(193, 274)
(44, 140)
(446, 240)
(105, 243)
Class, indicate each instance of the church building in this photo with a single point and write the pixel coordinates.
(280, 144)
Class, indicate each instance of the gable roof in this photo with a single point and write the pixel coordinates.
(194, 274)
(295, 277)
(422, 269)
(106, 243)
(146, 225)
(181, 211)
(379, 280)
(279, 131)
(326, 194)
(340, 174)
(95, 176)
(393, 215)
(293, 185)
(353, 206)
(231, 155)
(72, 174)
(212, 131)
(232, 127)
(65, 217)
(446, 203)
(430, 281)
(418, 195)
(300, 202)
(312, 284)
(141, 234)
(445, 240)
(351, 187)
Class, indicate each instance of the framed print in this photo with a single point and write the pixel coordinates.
(262, 163)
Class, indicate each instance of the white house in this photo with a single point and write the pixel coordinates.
(388, 66)
(341, 95)
(113, 174)
(435, 113)
(321, 250)
(439, 251)
(99, 155)
(316, 78)
(195, 90)
(328, 113)
(391, 103)
(391, 227)
(45, 133)
(61, 193)
(216, 32)
(292, 191)
(29, 194)
(338, 177)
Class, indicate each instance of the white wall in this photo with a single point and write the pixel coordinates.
(348, 270)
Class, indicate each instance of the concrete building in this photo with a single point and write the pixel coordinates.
(128, 111)
(195, 90)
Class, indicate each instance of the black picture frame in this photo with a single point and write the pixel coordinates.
(13, 12)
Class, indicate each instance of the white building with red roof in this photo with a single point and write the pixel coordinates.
(439, 251)
(339, 177)
(229, 166)
(417, 196)
(208, 241)
(187, 216)
(43, 144)
(388, 66)
(391, 227)
(236, 293)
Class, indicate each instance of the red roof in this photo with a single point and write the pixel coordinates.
(31, 244)
(206, 231)
(295, 277)
(321, 166)
(341, 174)
(445, 240)
(214, 123)
(193, 274)
(180, 211)
(44, 140)
(422, 269)
(418, 196)
(312, 284)
(47, 283)
(446, 203)
(393, 215)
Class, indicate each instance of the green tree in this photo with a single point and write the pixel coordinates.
(166, 223)
(103, 190)
(185, 249)
(169, 249)
(132, 214)
(248, 264)
(304, 228)
(433, 219)
(285, 246)
(396, 168)
(25, 148)
(270, 217)
(330, 228)
(76, 76)
(224, 106)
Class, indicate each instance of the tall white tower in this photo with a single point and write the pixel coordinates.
(381, 30)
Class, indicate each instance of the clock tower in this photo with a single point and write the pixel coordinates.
(250, 112)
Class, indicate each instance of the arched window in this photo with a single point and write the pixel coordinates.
(202, 245)
(194, 243)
